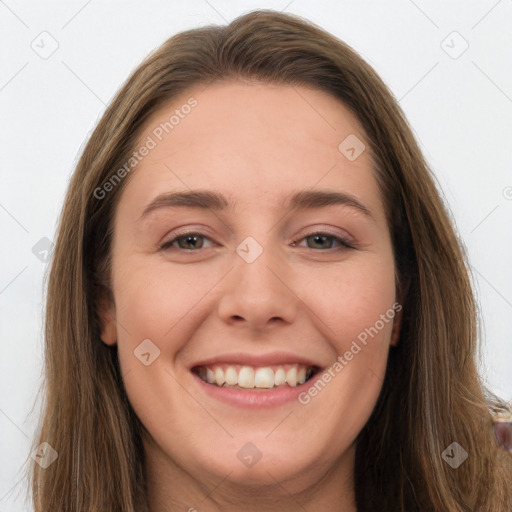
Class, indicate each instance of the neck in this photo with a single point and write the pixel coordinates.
(172, 488)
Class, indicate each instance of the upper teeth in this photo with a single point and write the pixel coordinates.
(249, 377)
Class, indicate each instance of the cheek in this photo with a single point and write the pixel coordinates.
(153, 299)
(356, 310)
(352, 299)
(357, 313)
(159, 303)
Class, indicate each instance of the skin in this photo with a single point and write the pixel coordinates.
(256, 144)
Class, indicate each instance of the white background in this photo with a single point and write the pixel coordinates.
(460, 109)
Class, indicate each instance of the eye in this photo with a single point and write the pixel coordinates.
(188, 241)
(326, 240)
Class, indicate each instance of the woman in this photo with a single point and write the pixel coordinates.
(257, 300)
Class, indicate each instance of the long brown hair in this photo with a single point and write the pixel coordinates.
(432, 394)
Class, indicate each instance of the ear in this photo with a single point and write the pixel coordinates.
(397, 323)
(399, 310)
(107, 317)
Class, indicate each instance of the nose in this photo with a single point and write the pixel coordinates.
(259, 294)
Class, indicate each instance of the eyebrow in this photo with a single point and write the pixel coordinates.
(208, 200)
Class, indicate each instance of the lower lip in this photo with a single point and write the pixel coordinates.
(257, 399)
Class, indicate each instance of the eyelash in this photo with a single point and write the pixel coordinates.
(344, 243)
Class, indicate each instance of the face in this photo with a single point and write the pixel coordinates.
(285, 273)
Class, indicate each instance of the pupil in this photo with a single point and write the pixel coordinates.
(318, 238)
(190, 239)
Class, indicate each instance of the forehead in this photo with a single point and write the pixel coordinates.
(254, 142)
(254, 113)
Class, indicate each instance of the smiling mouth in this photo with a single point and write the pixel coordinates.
(251, 378)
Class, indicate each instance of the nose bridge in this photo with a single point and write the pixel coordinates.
(256, 261)
(256, 290)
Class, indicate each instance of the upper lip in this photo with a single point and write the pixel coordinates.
(257, 360)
